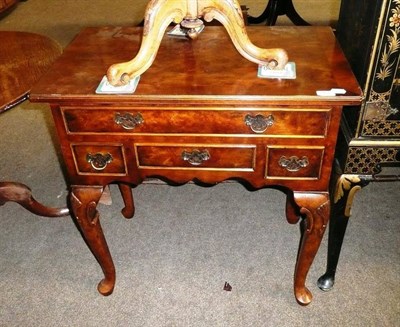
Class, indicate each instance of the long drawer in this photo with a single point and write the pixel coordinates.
(196, 156)
(271, 122)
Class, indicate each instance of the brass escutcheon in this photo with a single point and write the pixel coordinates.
(128, 120)
(259, 123)
(196, 157)
(293, 163)
(99, 161)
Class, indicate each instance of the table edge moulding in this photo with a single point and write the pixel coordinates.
(208, 119)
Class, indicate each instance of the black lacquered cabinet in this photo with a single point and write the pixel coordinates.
(369, 33)
(369, 145)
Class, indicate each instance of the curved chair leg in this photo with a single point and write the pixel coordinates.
(22, 194)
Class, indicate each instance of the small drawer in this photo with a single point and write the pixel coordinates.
(294, 162)
(271, 122)
(196, 156)
(99, 159)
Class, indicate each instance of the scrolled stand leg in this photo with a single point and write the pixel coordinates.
(315, 208)
(346, 188)
(22, 194)
(229, 14)
(84, 200)
(160, 13)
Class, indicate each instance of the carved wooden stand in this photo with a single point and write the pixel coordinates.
(160, 13)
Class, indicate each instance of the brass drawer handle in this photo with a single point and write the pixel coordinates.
(293, 163)
(196, 157)
(259, 123)
(99, 161)
(128, 120)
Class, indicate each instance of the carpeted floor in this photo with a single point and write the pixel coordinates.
(184, 243)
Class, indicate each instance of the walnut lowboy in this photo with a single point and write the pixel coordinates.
(209, 120)
(162, 146)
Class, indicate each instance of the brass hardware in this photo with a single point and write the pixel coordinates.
(196, 157)
(293, 163)
(128, 120)
(99, 161)
(259, 123)
(378, 111)
(272, 64)
(190, 25)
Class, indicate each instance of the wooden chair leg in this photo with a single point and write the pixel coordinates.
(22, 194)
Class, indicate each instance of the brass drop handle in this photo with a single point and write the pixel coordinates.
(128, 120)
(293, 163)
(259, 123)
(196, 157)
(99, 161)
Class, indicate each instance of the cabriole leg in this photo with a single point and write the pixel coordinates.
(126, 191)
(292, 214)
(84, 200)
(315, 208)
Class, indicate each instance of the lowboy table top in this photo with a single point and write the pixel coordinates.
(185, 67)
